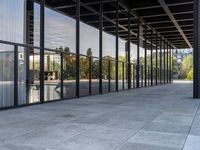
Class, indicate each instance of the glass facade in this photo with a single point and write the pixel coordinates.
(28, 76)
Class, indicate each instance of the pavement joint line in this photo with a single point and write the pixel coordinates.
(198, 108)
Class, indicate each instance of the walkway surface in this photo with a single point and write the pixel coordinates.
(157, 118)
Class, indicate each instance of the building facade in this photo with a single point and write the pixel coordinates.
(56, 49)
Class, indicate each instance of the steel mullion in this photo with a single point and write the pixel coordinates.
(100, 45)
(156, 59)
(145, 55)
(117, 42)
(151, 58)
(42, 28)
(164, 61)
(15, 75)
(138, 58)
(129, 51)
(77, 48)
(160, 60)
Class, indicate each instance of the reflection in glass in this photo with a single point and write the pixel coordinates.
(95, 76)
(6, 75)
(34, 76)
(112, 76)
(52, 71)
(69, 75)
(84, 76)
(105, 75)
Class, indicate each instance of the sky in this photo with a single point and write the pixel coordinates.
(59, 30)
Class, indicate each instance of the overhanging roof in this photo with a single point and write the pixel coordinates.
(171, 19)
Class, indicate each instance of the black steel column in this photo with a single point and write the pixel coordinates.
(151, 57)
(29, 40)
(117, 41)
(15, 75)
(109, 89)
(167, 62)
(196, 53)
(100, 45)
(77, 46)
(170, 64)
(123, 75)
(160, 60)
(133, 75)
(156, 59)
(129, 50)
(164, 61)
(145, 55)
(42, 16)
(90, 75)
(138, 58)
(61, 75)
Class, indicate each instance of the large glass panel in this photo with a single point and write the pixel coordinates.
(108, 55)
(154, 65)
(141, 55)
(12, 20)
(158, 69)
(34, 76)
(6, 75)
(133, 61)
(12, 14)
(22, 97)
(121, 66)
(112, 75)
(105, 75)
(60, 34)
(95, 76)
(149, 64)
(52, 86)
(60, 30)
(84, 75)
(125, 75)
(89, 46)
(120, 75)
(69, 75)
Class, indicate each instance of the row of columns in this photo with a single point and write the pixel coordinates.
(165, 51)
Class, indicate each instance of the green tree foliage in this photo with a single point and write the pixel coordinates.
(186, 68)
(69, 64)
(89, 52)
(190, 75)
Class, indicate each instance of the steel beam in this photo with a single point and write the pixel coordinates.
(169, 13)
(158, 6)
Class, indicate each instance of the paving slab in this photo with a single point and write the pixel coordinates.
(163, 117)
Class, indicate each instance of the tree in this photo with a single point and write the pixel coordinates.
(70, 64)
(187, 66)
(89, 52)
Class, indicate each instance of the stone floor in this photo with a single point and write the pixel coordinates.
(157, 118)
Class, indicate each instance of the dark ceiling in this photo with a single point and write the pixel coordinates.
(170, 19)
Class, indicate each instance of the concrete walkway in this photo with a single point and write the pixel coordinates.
(157, 118)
